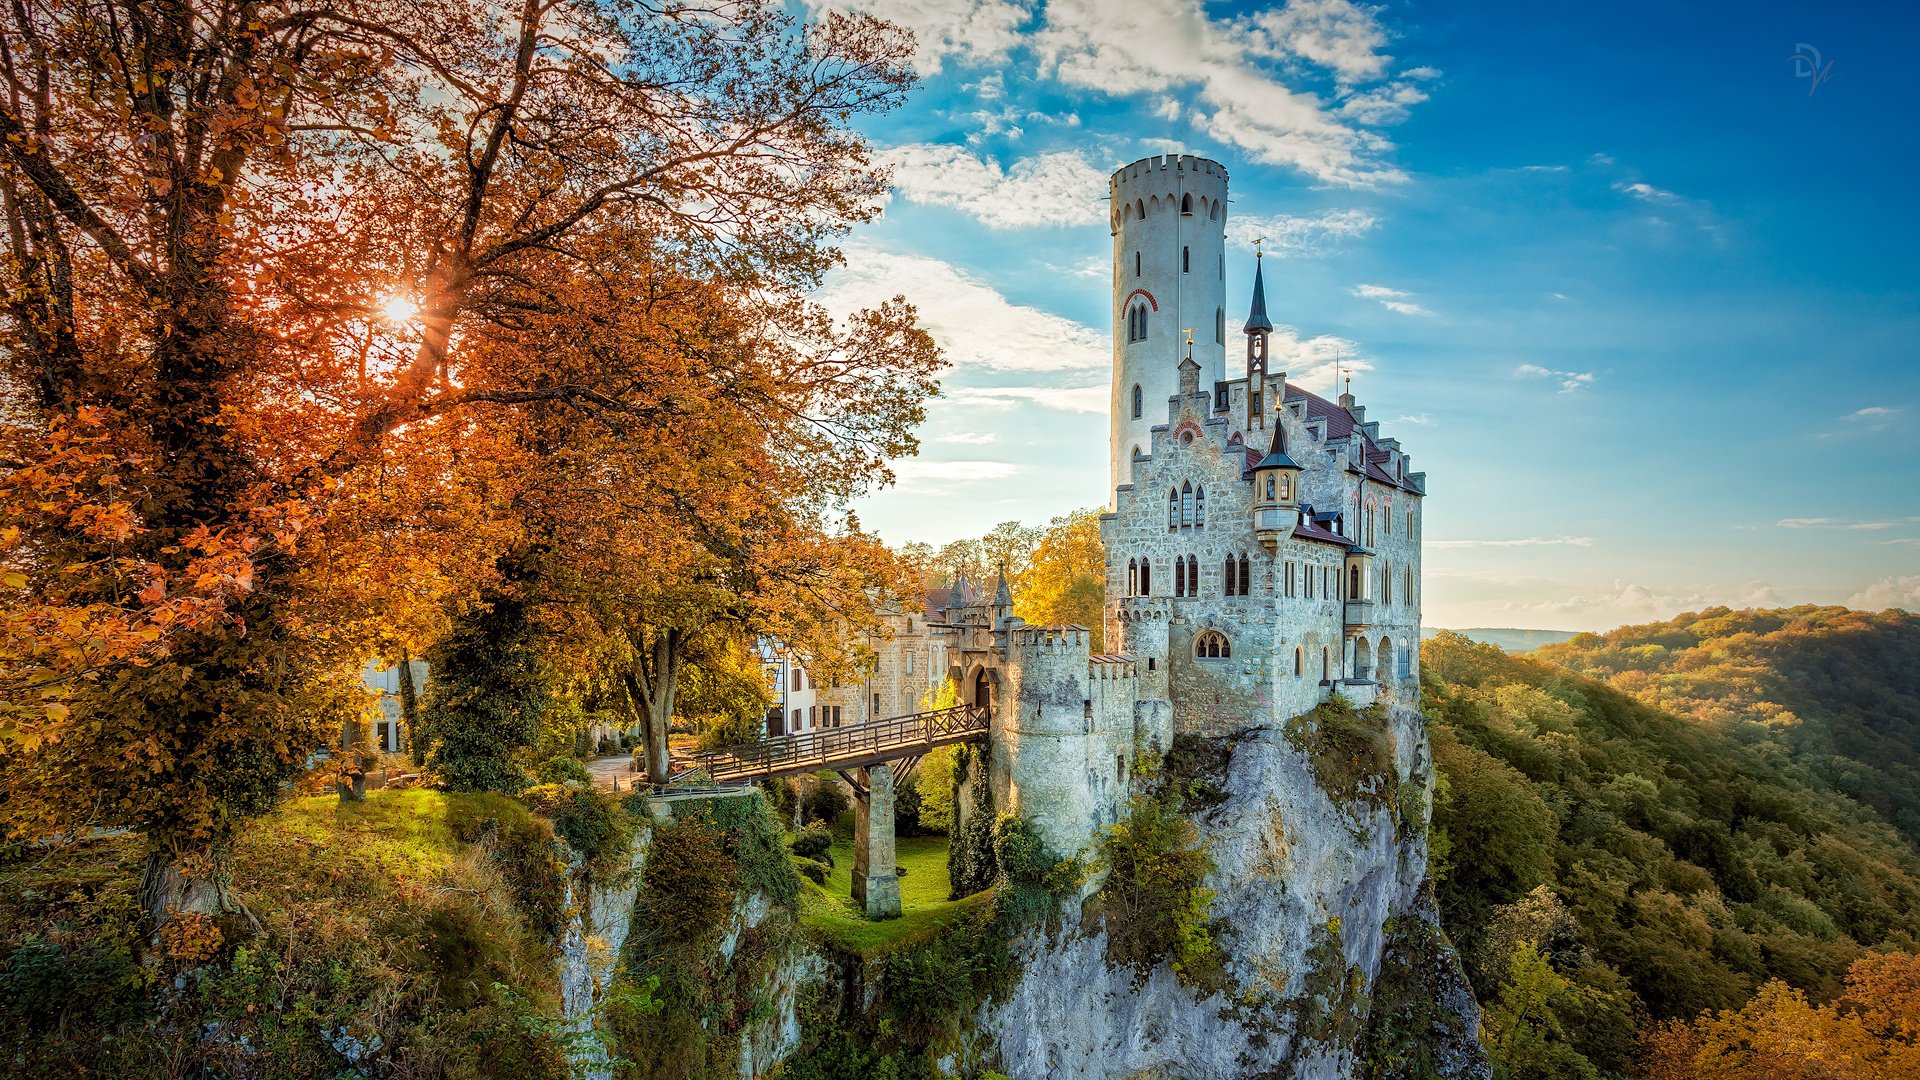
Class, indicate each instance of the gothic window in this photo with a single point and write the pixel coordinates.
(1326, 668)
(1186, 260)
(1212, 645)
(1193, 576)
(1146, 577)
(1173, 509)
(1269, 489)
(1353, 582)
(1409, 524)
(1246, 579)
(1299, 661)
(1186, 206)
(1186, 505)
(1133, 577)
(1214, 213)
(1200, 508)
(1139, 401)
(1219, 326)
(1140, 206)
(1231, 583)
(1136, 264)
(1179, 576)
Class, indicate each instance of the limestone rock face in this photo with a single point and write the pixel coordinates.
(1329, 931)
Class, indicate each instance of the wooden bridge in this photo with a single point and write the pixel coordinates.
(857, 746)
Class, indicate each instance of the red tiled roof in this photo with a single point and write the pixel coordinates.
(1312, 530)
(1339, 420)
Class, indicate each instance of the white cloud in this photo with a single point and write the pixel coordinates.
(1524, 541)
(1571, 382)
(1646, 193)
(1422, 419)
(1311, 362)
(1833, 523)
(1334, 34)
(1628, 602)
(1388, 104)
(1543, 168)
(970, 31)
(1072, 399)
(968, 438)
(980, 328)
(1390, 299)
(910, 470)
(1059, 188)
(1175, 47)
(1294, 234)
(1900, 592)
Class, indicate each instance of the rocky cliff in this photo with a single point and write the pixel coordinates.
(1337, 966)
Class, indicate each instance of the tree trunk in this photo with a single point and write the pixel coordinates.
(353, 787)
(653, 688)
(193, 883)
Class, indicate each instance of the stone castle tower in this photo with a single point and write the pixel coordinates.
(1169, 218)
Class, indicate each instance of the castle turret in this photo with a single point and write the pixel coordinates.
(1276, 493)
(1259, 331)
(1169, 217)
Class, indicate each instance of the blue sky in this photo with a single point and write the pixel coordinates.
(1640, 297)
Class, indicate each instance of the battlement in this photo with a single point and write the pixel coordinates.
(1165, 165)
(1063, 637)
(1112, 666)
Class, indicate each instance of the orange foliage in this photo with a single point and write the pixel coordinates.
(1871, 1033)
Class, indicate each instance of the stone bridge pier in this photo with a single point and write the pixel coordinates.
(876, 876)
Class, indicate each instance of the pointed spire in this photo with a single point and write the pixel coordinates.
(1257, 320)
(1002, 594)
(1277, 454)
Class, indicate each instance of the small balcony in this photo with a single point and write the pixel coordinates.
(1359, 613)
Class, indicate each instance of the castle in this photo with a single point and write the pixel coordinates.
(1263, 546)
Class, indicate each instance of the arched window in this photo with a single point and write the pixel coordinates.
(1139, 401)
(1133, 577)
(1231, 580)
(1140, 207)
(1186, 505)
(1409, 524)
(1137, 323)
(1186, 260)
(1214, 213)
(1146, 577)
(1269, 488)
(1386, 583)
(1193, 576)
(1299, 661)
(1212, 645)
(1186, 206)
(1173, 509)
(1353, 582)
(1219, 326)
(1136, 264)
(1200, 508)
(1179, 576)
(1326, 665)
(1245, 577)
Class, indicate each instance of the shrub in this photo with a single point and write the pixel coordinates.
(1153, 903)
(813, 843)
(1352, 752)
(815, 872)
(563, 768)
(593, 825)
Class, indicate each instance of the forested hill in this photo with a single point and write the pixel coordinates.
(1600, 861)
(1837, 688)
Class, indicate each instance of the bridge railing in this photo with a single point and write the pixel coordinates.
(827, 747)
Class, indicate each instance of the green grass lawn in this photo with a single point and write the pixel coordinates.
(925, 908)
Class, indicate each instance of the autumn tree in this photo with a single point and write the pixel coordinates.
(1065, 580)
(262, 256)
